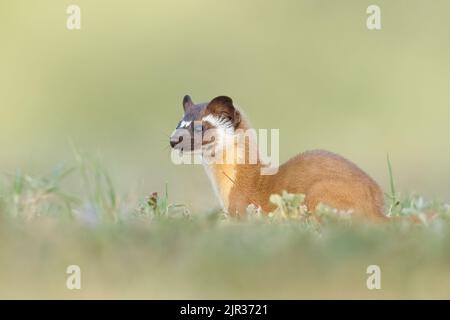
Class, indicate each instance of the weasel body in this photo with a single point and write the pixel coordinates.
(323, 177)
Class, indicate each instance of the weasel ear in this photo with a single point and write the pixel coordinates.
(222, 106)
(187, 102)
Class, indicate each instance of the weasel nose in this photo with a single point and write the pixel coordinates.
(175, 140)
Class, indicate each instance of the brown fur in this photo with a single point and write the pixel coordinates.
(323, 177)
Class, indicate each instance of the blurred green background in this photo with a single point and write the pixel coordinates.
(309, 68)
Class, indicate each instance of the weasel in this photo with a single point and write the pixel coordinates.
(322, 176)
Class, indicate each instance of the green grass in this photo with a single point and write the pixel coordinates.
(151, 248)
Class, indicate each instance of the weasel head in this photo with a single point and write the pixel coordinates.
(205, 126)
